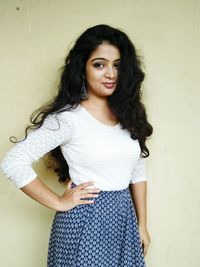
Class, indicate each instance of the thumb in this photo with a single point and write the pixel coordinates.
(69, 184)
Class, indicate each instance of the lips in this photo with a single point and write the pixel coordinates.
(109, 85)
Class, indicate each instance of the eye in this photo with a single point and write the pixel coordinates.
(98, 65)
(117, 65)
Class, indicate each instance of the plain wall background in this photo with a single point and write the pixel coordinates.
(35, 37)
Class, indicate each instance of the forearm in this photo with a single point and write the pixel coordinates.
(42, 194)
(139, 192)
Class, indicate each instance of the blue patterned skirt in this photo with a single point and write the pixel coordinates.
(100, 234)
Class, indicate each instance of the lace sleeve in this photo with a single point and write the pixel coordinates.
(16, 164)
(139, 172)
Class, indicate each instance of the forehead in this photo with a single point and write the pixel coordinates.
(106, 51)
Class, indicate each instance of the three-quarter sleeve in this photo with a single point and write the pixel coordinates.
(16, 164)
(139, 172)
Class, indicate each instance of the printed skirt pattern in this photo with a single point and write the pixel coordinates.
(100, 234)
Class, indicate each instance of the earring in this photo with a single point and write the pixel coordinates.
(83, 90)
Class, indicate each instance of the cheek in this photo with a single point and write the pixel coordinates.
(93, 75)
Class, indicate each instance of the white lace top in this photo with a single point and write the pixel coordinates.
(93, 150)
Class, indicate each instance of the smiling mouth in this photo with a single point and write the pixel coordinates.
(109, 85)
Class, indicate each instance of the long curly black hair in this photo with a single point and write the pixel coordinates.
(125, 103)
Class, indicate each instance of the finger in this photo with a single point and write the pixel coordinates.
(145, 248)
(145, 251)
(86, 201)
(69, 184)
(83, 185)
(88, 195)
(93, 190)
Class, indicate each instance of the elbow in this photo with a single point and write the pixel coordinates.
(19, 172)
(5, 166)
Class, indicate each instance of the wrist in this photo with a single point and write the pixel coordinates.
(142, 225)
(59, 206)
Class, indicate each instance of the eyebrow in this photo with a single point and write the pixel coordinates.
(102, 58)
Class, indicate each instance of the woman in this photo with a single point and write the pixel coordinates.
(95, 128)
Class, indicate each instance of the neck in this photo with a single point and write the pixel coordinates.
(100, 104)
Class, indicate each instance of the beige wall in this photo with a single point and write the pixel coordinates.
(34, 41)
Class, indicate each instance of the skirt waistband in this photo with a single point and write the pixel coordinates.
(106, 191)
(122, 195)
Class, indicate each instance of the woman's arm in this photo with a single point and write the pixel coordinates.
(71, 197)
(139, 192)
(17, 163)
(139, 196)
(138, 188)
(42, 194)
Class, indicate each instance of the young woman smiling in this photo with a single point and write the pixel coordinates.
(95, 129)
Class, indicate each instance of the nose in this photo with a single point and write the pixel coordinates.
(110, 73)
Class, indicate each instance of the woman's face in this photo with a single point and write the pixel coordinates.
(102, 70)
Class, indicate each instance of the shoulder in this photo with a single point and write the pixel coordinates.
(67, 116)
